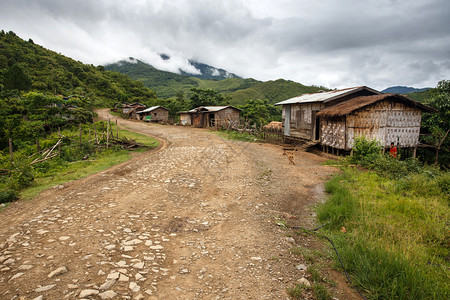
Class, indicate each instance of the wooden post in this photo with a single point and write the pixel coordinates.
(80, 134)
(59, 135)
(38, 146)
(11, 151)
(96, 139)
(107, 136)
(117, 129)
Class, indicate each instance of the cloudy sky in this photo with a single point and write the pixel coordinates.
(335, 43)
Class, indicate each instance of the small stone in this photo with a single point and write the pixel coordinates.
(64, 238)
(127, 230)
(123, 278)
(16, 276)
(25, 267)
(107, 295)
(110, 247)
(113, 276)
(122, 263)
(128, 248)
(59, 271)
(44, 288)
(107, 285)
(183, 271)
(156, 247)
(301, 267)
(9, 261)
(72, 286)
(100, 273)
(257, 259)
(88, 292)
(139, 297)
(148, 243)
(148, 292)
(39, 298)
(134, 287)
(290, 240)
(133, 242)
(304, 281)
(139, 265)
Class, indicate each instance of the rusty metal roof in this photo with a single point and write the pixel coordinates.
(349, 106)
(324, 96)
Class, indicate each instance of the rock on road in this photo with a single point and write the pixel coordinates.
(193, 220)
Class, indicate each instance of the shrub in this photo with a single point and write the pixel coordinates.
(8, 195)
(365, 150)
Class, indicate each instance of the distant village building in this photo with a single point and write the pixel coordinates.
(211, 116)
(156, 114)
(336, 118)
(130, 110)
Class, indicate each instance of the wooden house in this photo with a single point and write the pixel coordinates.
(387, 118)
(156, 114)
(336, 118)
(299, 114)
(130, 110)
(211, 116)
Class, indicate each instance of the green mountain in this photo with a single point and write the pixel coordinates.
(403, 90)
(168, 85)
(27, 66)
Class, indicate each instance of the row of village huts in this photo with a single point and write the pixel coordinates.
(330, 118)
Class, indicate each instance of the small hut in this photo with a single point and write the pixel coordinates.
(156, 114)
(211, 116)
(385, 117)
(299, 114)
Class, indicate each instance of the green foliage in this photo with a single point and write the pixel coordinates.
(396, 240)
(15, 78)
(339, 206)
(25, 65)
(365, 150)
(321, 292)
(260, 112)
(297, 291)
(8, 195)
(208, 97)
(438, 124)
(167, 84)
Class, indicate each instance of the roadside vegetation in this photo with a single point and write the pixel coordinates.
(389, 222)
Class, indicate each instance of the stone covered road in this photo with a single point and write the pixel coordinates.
(195, 219)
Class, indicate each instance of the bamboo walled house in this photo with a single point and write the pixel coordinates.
(336, 118)
(211, 116)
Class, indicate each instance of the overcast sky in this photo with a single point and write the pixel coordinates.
(335, 43)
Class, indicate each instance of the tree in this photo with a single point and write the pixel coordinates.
(16, 79)
(438, 124)
(208, 97)
(260, 112)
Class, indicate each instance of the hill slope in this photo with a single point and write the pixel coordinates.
(403, 90)
(50, 72)
(167, 84)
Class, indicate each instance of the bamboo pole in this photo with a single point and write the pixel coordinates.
(11, 151)
(107, 136)
(59, 135)
(117, 129)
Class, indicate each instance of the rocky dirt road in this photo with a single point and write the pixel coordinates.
(195, 219)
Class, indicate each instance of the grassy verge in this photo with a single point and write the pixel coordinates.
(83, 168)
(392, 233)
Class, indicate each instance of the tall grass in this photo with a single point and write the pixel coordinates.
(396, 239)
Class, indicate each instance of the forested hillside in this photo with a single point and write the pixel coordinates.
(27, 66)
(167, 84)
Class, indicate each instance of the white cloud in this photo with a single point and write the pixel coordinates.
(378, 43)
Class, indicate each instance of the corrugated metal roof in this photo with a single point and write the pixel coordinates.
(323, 96)
(211, 108)
(150, 109)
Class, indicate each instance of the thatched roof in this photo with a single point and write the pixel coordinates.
(347, 107)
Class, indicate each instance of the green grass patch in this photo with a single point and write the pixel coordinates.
(297, 291)
(58, 171)
(396, 244)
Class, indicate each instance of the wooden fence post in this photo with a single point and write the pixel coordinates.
(38, 146)
(59, 135)
(107, 136)
(117, 129)
(11, 151)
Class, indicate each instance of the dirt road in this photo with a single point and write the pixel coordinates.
(194, 220)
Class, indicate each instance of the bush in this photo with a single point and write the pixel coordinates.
(365, 149)
(8, 195)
